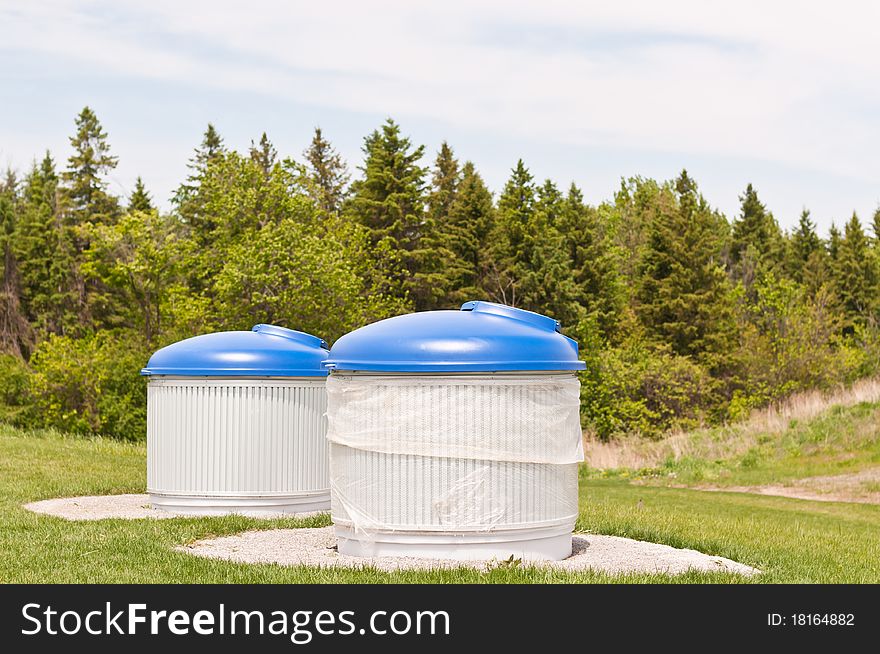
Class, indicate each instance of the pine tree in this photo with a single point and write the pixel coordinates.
(328, 173)
(684, 295)
(436, 279)
(514, 212)
(804, 243)
(875, 226)
(15, 332)
(140, 198)
(588, 238)
(465, 235)
(834, 239)
(264, 154)
(91, 161)
(444, 184)
(530, 268)
(389, 201)
(856, 274)
(190, 206)
(757, 243)
(45, 254)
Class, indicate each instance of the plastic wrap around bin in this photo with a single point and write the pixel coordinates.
(455, 434)
(236, 423)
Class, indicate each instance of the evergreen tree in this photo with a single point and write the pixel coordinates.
(15, 332)
(684, 295)
(140, 199)
(804, 243)
(45, 256)
(757, 244)
(91, 161)
(328, 173)
(530, 268)
(588, 238)
(856, 274)
(444, 184)
(465, 236)
(515, 210)
(436, 279)
(264, 154)
(189, 204)
(834, 239)
(389, 201)
(875, 226)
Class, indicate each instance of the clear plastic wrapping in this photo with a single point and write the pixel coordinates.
(453, 454)
(526, 418)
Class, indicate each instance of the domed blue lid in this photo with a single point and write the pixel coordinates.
(266, 350)
(482, 337)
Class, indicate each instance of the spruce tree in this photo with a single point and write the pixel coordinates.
(389, 201)
(91, 161)
(834, 239)
(684, 296)
(140, 198)
(15, 332)
(514, 212)
(465, 235)
(44, 253)
(875, 226)
(190, 206)
(856, 274)
(804, 243)
(588, 237)
(757, 243)
(328, 174)
(264, 154)
(530, 268)
(444, 184)
(440, 270)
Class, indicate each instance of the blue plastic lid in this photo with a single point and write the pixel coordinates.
(481, 337)
(266, 350)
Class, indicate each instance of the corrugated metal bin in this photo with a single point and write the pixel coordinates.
(455, 434)
(236, 423)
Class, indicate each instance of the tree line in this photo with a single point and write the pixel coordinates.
(684, 316)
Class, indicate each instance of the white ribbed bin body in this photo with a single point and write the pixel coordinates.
(464, 467)
(250, 446)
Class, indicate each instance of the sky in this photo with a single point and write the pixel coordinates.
(783, 95)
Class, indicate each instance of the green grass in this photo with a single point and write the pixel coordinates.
(790, 540)
(840, 440)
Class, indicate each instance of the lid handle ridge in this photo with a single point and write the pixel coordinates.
(291, 334)
(535, 319)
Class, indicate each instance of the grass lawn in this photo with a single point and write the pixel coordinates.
(790, 540)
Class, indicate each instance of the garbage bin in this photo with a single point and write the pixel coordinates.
(236, 423)
(455, 434)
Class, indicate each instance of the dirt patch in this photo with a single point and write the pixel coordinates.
(317, 547)
(127, 507)
(861, 487)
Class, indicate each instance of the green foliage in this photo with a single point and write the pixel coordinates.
(596, 261)
(789, 342)
(634, 388)
(140, 198)
(856, 275)
(328, 174)
(289, 275)
(15, 404)
(86, 189)
(389, 201)
(137, 260)
(91, 385)
(464, 236)
(683, 317)
(684, 299)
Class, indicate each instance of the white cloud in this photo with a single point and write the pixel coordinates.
(793, 83)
